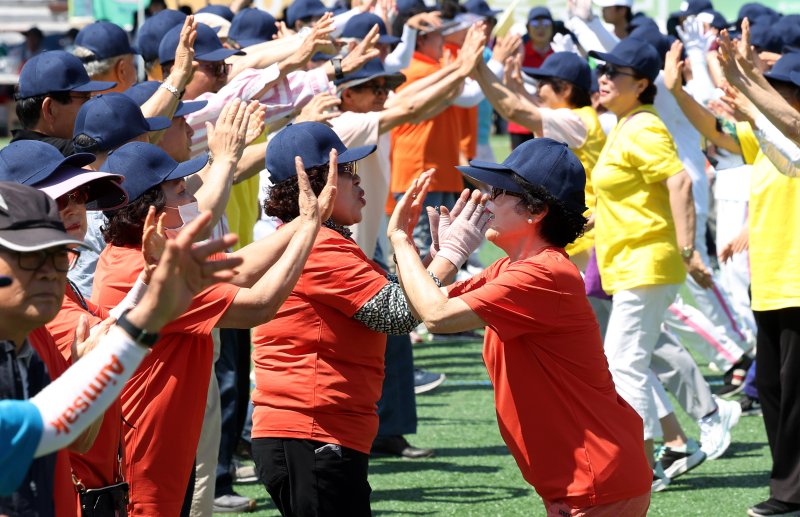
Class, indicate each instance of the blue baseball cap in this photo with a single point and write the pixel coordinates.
(153, 30)
(694, 7)
(105, 40)
(651, 35)
(633, 53)
(409, 6)
(640, 19)
(56, 71)
(113, 119)
(141, 93)
(753, 10)
(539, 12)
(311, 141)
(542, 162)
(481, 8)
(789, 29)
(219, 10)
(783, 68)
(568, 66)
(764, 36)
(300, 9)
(207, 46)
(359, 25)
(372, 69)
(145, 165)
(252, 26)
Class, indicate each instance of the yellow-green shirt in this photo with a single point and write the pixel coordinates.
(634, 231)
(774, 219)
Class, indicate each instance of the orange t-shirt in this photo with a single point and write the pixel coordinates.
(319, 372)
(165, 400)
(63, 492)
(433, 143)
(574, 439)
(99, 466)
(468, 120)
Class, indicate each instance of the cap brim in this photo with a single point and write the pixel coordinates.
(190, 107)
(537, 72)
(219, 55)
(105, 192)
(492, 174)
(188, 168)
(357, 153)
(389, 40)
(778, 77)
(35, 239)
(158, 123)
(94, 86)
(609, 58)
(248, 42)
(443, 27)
(78, 160)
(393, 80)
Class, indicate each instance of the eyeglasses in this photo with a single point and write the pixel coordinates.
(62, 259)
(79, 196)
(611, 71)
(541, 22)
(497, 192)
(217, 69)
(375, 88)
(350, 168)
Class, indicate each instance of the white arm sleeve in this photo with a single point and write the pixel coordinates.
(471, 94)
(781, 151)
(592, 35)
(133, 297)
(73, 401)
(340, 20)
(702, 87)
(400, 58)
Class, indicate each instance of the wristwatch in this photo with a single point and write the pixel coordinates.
(337, 67)
(687, 252)
(141, 336)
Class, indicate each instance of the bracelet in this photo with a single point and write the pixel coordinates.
(337, 67)
(171, 89)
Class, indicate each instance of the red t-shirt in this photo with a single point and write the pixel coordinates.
(63, 492)
(532, 59)
(574, 439)
(99, 466)
(319, 372)
(165, 400)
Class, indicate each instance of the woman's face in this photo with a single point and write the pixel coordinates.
(349, 196)
(510, 223)
(177, 195)
(540, 30)
(619, 88)
(72, 208)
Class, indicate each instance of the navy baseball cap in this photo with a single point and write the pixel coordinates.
(542, 162)
(105, 40)
(372, 69)
(207, 46)
(539, 12)
(783, 68)
(153, 30)
(145, 165)
(252, 26)
(568, 66)
(764, 36)
(633, 53)
(56, 71)
(694, 7)
(789, 29)
(311, 141)
(219, 10)
(359, 25)
(300, 9)
(753, 10)
(408, 6)
(141, 93)
(481, 8)
(659, 41)
(113, 119)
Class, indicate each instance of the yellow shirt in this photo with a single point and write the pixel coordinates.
(588, 154)
(774, 219)
(243, 210)
(634, 231)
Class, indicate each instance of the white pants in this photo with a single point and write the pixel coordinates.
(633, 331)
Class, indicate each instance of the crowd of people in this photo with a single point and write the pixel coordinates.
(223, 191)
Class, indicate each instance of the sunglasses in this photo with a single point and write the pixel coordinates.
(350, 168)
(62, 259)
(541, 22)
(497, 192)
(611, 71)
(375, 88)
(79, 196)
(217, 69)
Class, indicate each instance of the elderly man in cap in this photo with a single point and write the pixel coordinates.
(52, 88)
(106, 52)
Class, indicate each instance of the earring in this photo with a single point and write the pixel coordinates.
(530, 221)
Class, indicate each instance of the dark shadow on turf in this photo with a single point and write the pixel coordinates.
(451, 495)
(456, 452)
(754, 479)
(394, 466)
(746, 449)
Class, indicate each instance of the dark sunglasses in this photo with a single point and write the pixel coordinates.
(375, 88)
(540, 22)
(79, 196)
(497, 192)
(350, 168)
(62, 259)
(217, 69)
(611, 71)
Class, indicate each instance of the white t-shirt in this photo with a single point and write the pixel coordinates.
(564, 125)
(357, 129)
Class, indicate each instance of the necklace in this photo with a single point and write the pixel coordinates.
(344, 231)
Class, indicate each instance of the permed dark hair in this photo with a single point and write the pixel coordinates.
(125, 225)
(578, 97)
(281, 200)
(562, 225)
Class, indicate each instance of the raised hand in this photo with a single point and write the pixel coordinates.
(693, 35)
(425, 21)
(154, 240)
(409, 207)
(184, 65)
(283, 31)
(673, 67)
(362, 52)
(506, 47)
(472, 49)
(321, 108)
(466, 231)
(318, 40)
(256, 123)
(580, 8)
(327, 197)
(742, 107)
(563, 43)
(86, 339)
(228, 138)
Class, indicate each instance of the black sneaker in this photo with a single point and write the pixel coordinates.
(750, 406)
(734, 378)
(774, 508)
(398, 446)
(677, 462)
(425, 381)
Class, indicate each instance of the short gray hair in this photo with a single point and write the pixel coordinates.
(95, 67)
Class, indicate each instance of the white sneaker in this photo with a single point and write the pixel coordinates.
(660, 479)
(715, 430)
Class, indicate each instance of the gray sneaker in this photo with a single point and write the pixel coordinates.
(233, 504)
(244, 474)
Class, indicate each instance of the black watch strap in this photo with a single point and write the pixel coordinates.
(141, 336)
(337, 67)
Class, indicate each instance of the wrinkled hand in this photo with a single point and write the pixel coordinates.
(283, 31)
(184, 64)
(466, 231)
(321, 108)
(363, 52)
(673, 67)
(86, 339)
(154, 240)
(306, 199)
(257, 122)
(328, 195)
(698, 271)
(318, 40)
(506, 47)
(738, 245)
(693, 35)
(472, 49)
(409, 207)
(563, 43)
(447, 216)
(425, 21)
(743, 109)
(228, 137)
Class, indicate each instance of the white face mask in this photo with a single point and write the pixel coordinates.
(188, 213)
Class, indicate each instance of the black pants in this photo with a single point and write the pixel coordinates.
(778, 381)
(518, 139)
(306, 478)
